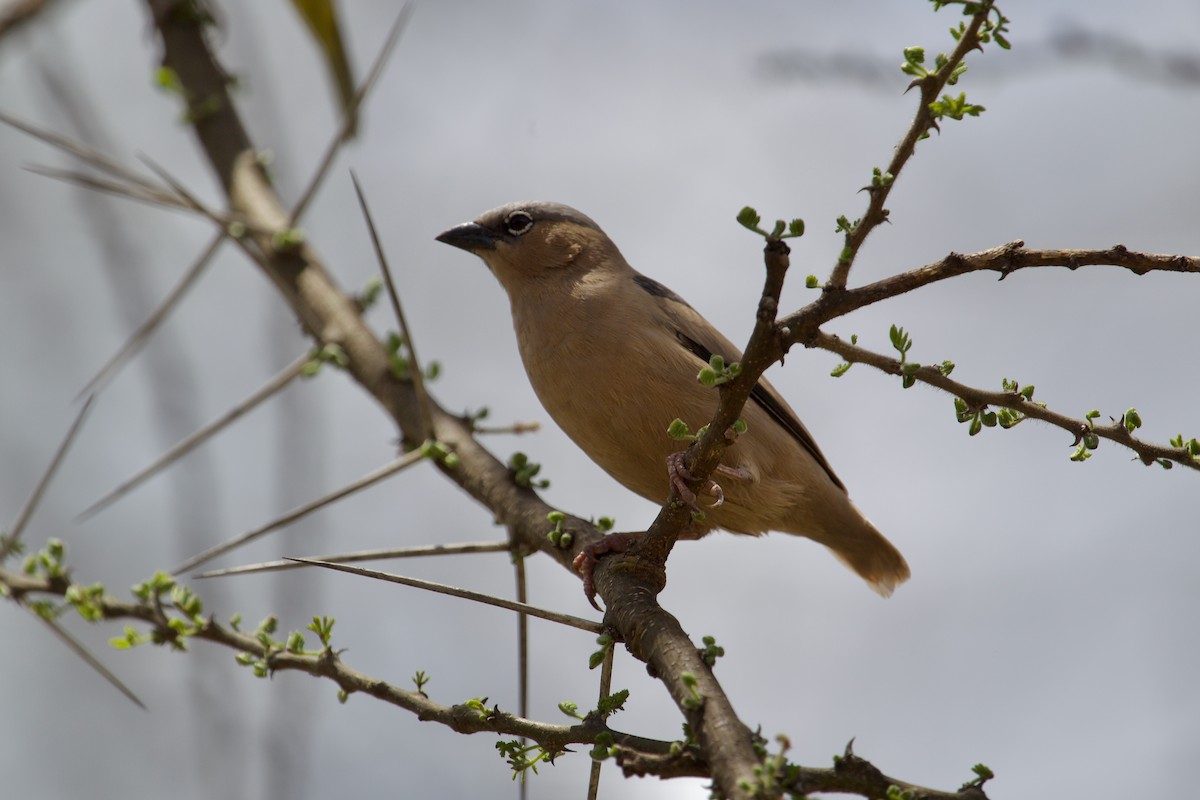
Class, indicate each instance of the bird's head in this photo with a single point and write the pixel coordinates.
(530, 242)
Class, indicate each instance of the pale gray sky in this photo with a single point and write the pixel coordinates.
(1049, 628)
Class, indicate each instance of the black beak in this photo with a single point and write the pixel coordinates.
(470, 237)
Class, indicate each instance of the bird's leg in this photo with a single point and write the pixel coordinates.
(680, 476)
(590, 555)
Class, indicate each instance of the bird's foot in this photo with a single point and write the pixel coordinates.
(680, 476)
(589, 556)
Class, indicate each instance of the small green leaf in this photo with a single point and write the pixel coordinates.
(749, 218)
(678, 430)
(597, 658)
(811, 282)
(168, 80)
(901, 341)
(982, 773)
(611, 704)
(287, 240)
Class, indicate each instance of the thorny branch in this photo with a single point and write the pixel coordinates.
(979, 399)
(803, 327)
(331, 317)
(639, 756)
(727, 751)
(930, 87)
(649, 632)
(164, 620)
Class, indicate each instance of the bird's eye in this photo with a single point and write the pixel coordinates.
(518, 222)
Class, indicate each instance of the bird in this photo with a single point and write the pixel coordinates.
(613, 356)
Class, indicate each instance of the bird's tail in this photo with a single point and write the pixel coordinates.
(862, 548)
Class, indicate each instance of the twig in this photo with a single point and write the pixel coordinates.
(404, 461)
(414, 364)
(522, 652)
(606, 669)
(328, 664)
(363, 555)
(1005, 259)
(178, 199)
(81, 151)
(930, 86)
(705, 453)
(9, 542)
(223, 222)
(465, 594)
(979, 399)
(350, 117)
(151, 195)
(147, 328)
(191, 202)
(270, 388)
(517, 428)
(76, 647)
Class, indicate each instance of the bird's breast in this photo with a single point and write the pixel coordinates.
(614, 390)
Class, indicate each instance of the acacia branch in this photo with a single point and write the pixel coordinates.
(930, 87)
(804, 327)
(650, 633)
(174, 627)
(1004, 259)
(332, 318)
(980, 399)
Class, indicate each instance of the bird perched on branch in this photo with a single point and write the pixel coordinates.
(614, 355)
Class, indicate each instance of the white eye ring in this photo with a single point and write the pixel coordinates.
(518, 222)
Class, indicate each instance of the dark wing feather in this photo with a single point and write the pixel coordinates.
(684, 316)
(768, 402)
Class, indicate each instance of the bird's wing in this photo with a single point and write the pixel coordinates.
(697, 335)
